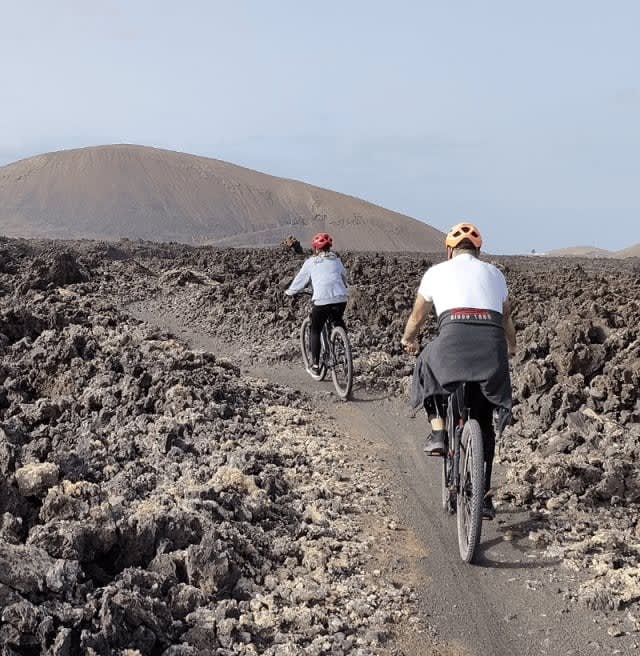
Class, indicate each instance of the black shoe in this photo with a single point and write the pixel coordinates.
(434, 446)
(488, 511)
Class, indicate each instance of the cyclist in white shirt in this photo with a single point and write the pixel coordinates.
(476, 335)
(328, 277)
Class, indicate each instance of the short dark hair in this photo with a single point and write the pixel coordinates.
(466, 245)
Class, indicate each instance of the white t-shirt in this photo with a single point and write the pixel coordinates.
(464, 281)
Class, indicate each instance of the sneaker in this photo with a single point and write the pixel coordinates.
(488, 511)
(434, 446)
(314, 369)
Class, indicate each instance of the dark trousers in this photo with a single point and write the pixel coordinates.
(482, 411)
(319, 314)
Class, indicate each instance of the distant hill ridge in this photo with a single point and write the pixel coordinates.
(115, 191)
(592, 251)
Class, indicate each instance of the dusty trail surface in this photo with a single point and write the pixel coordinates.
(516, 600)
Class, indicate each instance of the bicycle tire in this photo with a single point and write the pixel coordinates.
(305, 348)
(470, 490)
(342, 370)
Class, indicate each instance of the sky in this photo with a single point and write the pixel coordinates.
(522, 117)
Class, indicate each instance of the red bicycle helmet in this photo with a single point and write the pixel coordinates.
(462, 231)
(321, 240)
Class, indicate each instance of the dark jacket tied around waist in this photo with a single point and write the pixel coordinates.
(470, 347)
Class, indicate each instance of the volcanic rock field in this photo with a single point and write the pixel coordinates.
(156, 500)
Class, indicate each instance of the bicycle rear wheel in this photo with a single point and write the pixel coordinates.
(470, 490)
(305, 348)
(342, 370)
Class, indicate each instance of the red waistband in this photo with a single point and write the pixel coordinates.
(470, 315)
(469, 309)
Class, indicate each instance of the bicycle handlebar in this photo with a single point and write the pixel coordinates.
(304, 292)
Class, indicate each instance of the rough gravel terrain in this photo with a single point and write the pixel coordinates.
(572, 454)
(156, 499)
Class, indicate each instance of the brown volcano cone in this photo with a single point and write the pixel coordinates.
(110, 192)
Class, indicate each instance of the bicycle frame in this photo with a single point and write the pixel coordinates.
(326, 352)
(454, 436)
(338, 362)
(463, 472)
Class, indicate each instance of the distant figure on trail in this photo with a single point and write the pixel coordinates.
(328, 278)
(476, 336)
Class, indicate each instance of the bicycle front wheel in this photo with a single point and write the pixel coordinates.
(305, 348)
(342, 371)
(470, 490)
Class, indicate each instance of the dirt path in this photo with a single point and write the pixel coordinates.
(514, 602)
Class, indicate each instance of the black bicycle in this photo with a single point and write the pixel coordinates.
(335, 355)
(463, 473)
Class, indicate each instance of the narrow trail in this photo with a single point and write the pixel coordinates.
(512, 602)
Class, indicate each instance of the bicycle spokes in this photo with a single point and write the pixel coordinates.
(335, 355)
(470, 490)
(341, 362)
(466, 485)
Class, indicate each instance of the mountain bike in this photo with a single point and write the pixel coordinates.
(335, 355)
(463, 472)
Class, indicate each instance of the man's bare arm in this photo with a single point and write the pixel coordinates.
(509, 328)
(419, 314)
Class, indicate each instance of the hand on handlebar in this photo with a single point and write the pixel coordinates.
(295, 295)
(411, 346)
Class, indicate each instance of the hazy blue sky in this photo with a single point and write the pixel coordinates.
(522, 116)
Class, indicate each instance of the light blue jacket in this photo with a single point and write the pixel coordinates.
(328, 278)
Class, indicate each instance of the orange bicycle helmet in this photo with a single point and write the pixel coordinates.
(321, 240)
(462, 231)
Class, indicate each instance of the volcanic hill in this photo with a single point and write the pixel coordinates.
(116, 191)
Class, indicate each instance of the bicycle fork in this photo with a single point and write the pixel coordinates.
(457, 445)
